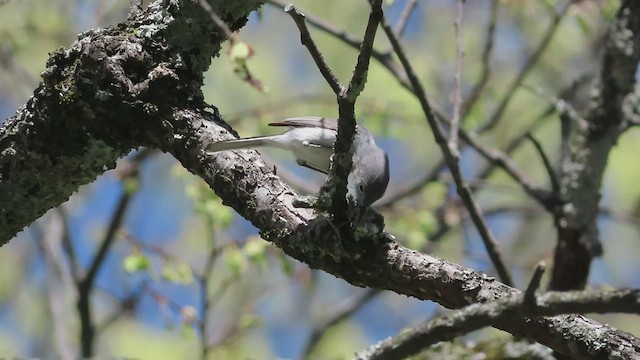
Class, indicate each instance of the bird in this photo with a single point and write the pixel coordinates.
(311, 140)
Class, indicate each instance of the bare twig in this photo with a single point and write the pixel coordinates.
(85, 285)
(451, 160)
(403, 20)
(320, 23)
(553, 177)
(204, 281)
(67, 244)
(307, 40)
(485, 73)
(359, 77)
(125, 305)
(530, 294)
(48, 241)
(503, 161)
(385, 59)
(457, 97)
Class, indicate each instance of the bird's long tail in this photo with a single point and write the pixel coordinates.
(247, 143)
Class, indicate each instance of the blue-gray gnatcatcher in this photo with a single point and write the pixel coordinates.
(311, 139)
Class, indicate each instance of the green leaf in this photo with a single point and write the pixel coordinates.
(286, 264)
(416, 239)
(248, 321)
(187, 331)
(434, 194)
(177, 272)
(255, 250)
(583, 24)
(235, 260)
(136, 262)
(223, 216)
(428, 223)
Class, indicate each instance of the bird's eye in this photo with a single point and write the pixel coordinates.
(361, 187)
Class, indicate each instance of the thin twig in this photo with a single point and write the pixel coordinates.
(553, 177)
(204, 280)
(385, 59)
(359, 77)
(305, 38)
(320, 23)
(503, 161)
(485, 73)
(403, 20)
(451, 160)
(67, 244)
(85, 285)
(529, 300)
(47, 242)
(125, 305)
(457, 97)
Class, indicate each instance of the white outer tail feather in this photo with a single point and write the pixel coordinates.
(248, 143)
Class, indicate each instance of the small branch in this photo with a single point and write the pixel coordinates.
(502, 161)
(67, 244)
(125, 305)
(477, 316)
(56, 269)
(385, 59)
(356, 85)
(204, 282)
(457, 98)
(325, 26)
(85, 285)
(553, 177)
(403, 20)
(529, 300)
(451, 160)
(305, 38)
(485, 73)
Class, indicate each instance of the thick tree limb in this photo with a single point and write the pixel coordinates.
(124, 77)
(477, 316)
(588, 147)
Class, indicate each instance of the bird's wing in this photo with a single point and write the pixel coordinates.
(308, 121)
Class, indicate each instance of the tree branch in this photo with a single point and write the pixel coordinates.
(588, 148)
(452, 159)
(477, 316)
